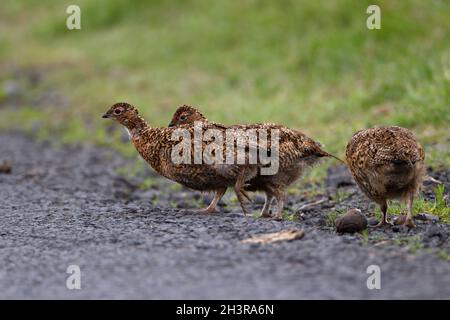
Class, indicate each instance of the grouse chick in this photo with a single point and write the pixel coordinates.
(387, 163)
(155, 146)
(296, 152)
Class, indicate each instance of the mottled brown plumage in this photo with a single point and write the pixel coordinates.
(296, 153)
(186, 115)
(387, 163)
(155, 146)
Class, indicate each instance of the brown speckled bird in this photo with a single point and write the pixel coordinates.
(186, 115)
(296, 153)
(387, 163)
(155, 146)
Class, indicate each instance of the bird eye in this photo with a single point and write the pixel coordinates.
(183, 117)
(117, 111)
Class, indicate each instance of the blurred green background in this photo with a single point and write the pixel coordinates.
(311, 65)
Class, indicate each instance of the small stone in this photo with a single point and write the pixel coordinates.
(132, 208)
(5, 167)
(435, 235)
(372, 221)
(33, 173)
(427, 217)
(352, 221)
(321, 222)
(234, 215)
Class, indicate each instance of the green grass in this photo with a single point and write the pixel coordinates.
(330, 218)
(148, 183)
(287, 216)
(444, 255)
(311, 65)
(175, 187)
(439, 207)
(340, 196)
(413, 243)
(364, 237)
(173, 204)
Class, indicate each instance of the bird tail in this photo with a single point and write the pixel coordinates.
(326, 154)
(323, 153)
(431, 179)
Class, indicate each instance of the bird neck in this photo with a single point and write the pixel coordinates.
(146, 140)
(136, 125)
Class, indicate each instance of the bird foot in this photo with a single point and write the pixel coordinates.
(277, 218)
(409, 223)
(382, 224)
(207, 211)
(404, 221)
(266, 215)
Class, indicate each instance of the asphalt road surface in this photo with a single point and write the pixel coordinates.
(63, 206)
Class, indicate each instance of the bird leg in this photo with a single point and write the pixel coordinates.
(245, 194)
(212, 206)
(384, 221)
(239, 190)
(265, 213)
(409, 203)
(279, 195)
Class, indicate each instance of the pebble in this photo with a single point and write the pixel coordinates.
(350, 222)
(427, 217)
(5, 167)
(372, 221)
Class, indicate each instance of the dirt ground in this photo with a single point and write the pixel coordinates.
(62, 206)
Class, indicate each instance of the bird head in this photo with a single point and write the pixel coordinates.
(186, 115)
(122, 112)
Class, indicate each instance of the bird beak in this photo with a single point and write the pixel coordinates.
(171, 124)
(106, 116)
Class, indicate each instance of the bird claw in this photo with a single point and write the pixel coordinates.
(266, 215)
(409, 224)
(382, 224)
(404, 221)
(206, 211)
